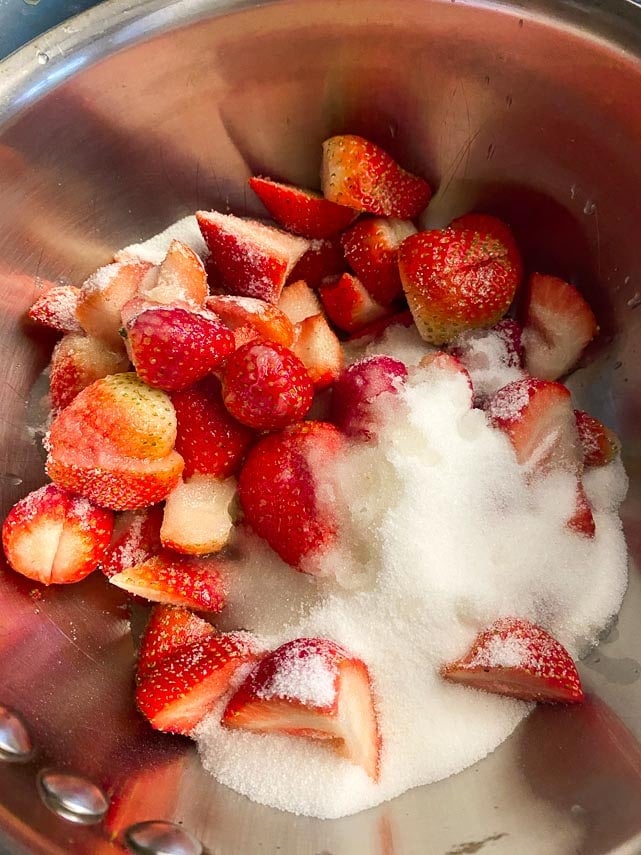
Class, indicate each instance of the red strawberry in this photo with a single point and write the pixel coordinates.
(209, 438)
(487, 224)
(194, 583)
(323, 259)
(185, 685)
(55, 537)
(168, 629)
(181, 278)
(600, 445)
(376, 329)
(277, 491)
(582, 520)
(371, 250)
(266, 387)
(348, 304)
(314, 688)
(269, 321)
(359, 174)
(318, 348)
(77, 361)
(298, 302)
(136, 538)
(56, 308)
(172, 347)
(518, 659)
(302, 212)
(253, 259)
(197, 519)
(456, 280)
(558, 325)
(446, 364)
(355, 406)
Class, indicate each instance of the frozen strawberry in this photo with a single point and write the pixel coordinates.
(302, 212)
(558, 325)
(181, 278)
(136, 538)
(176, 580)
(599, 444)
(266, 387)
(348, 304)
(376, 329)
(185, 685)
(456, 280)
(582, 520)
(314, 688)
(77, 361)
(56, 308)
(518, 659)
(323, 259)
(172, 347)
(253, 259)
(55, 537)
(361, 175)
(371, 250)
(168, 629)
(269, 321)
(277, 488)
(197, 516)
(298, 301)
(356, 406)
(487, 224)
(209, 438)
(318, 348)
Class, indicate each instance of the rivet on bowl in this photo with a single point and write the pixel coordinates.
(72, 797)
(157, 837)
(15, 742)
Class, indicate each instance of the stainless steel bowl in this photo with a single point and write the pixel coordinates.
(130, 116)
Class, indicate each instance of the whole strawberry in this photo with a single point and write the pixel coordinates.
(266, 387)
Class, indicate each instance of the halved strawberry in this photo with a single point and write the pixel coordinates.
(518, 659)
(487, 224)
(168, 629)
(269, 321)
(371, 250)
(136, 538)
(356, 406)
(55, 537)
(314, 688)
(298, 301)
(266, 387)
(77, 361)
(558, 325)
(277, 491)
(361, 175)
(196, 520)
(348, 303)
(456, 280)
(177, 580)
(181, 278)
(253, 259)
(323, 259)
(600, 445)
(318, 348)
(177, 694)
(302, 212)
(172, 347)
(56, 308)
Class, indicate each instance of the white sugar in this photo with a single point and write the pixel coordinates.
(155, 249)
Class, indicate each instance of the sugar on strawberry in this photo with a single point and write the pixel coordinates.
(268, 321)
(76, 362)
(56, 309)
(356, 404)
(181, 277)
(168, 629)
(599, 443)
(136, 538)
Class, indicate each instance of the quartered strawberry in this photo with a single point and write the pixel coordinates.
(487, 224)
(269, 321)
(456, 280)
(77, 361)
(266, 387)
(371, 250)
(168, 629)
(181, 278)
(361, 175)
(56, 309)
(197, 519)
(177, 580)
(356, 407)
(136, 538)
(55, 537)
(314, 688)
(318, 348)
(582, 519)
(302, 212)
(600, 444)
(298, 301)
(323, 259)
(173, 347)
(253, 259)
(376, 329)
(277, 491)
(558, 324)
(348, 304)
(518, 659)
(209, 438)
(439, 364)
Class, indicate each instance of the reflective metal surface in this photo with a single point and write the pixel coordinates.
(147, 111)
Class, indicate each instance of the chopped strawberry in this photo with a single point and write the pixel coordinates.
(356, 406)
(446, 364)
(348, 303)
(298, 302)
(487, 224)
(266, 387)
(77, 361)
(318, 348)
(302, 212)
(493, 357)
(456, 280)
(168, 629)
(582, 520)
(136, 538)
(253, 259)
(55, 537)
(56, 308)
(371, 250)
(209, 438)
(376, 329)
(176, 580)
(172, 347)
(177, 694)
(269, 321)
(359, 174)
(600, 445)
(277, 491)
(244, 334)
(181, 278)
(197, 519)
(518, 659)
(323, 259)
(558, 325)
(314, 688)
